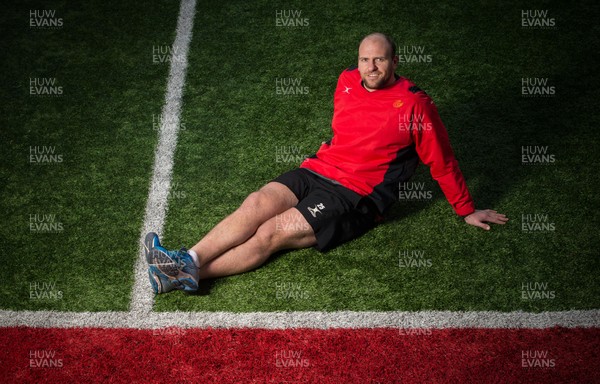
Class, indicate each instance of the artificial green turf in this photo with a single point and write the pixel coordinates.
(101, 126)
(235, 122)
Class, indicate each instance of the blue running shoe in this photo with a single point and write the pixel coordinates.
(172, 270)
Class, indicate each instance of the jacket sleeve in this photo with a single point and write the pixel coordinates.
(433, 147)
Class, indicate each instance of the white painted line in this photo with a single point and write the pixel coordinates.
(142, 297)
(315, 320)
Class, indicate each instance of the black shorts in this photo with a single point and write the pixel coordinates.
(335, 213)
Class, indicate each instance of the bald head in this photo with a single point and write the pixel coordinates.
(381, 39)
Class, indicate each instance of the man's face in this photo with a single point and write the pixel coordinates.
(376, 64)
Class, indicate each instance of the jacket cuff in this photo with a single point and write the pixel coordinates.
(465, 211)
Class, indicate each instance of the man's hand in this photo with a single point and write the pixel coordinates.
(481, 216)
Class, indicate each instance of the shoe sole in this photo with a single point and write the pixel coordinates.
(154, 282)
(149, 244)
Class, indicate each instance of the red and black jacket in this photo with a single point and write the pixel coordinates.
(378, 139)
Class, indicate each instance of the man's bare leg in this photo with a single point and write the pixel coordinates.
(235, 229)
(288, 230)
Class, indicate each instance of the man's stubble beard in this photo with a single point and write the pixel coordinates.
(381, 83)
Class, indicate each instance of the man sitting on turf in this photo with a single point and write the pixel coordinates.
(382, 125)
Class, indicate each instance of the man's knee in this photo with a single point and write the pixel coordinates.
(271, 197)
(260, 200)
(253, 201)
(286, 230)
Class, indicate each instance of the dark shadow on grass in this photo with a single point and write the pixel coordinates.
(204, 287)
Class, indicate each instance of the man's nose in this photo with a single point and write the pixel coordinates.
(372, 66)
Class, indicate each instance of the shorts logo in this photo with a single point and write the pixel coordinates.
(316, 209)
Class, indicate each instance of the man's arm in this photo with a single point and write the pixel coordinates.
(433, 147)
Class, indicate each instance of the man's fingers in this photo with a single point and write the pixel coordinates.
(477, 223)
(497, 219)
(482, 225)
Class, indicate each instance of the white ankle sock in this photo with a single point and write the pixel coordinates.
(194, 257)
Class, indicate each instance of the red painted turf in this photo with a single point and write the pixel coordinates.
(557, 355)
